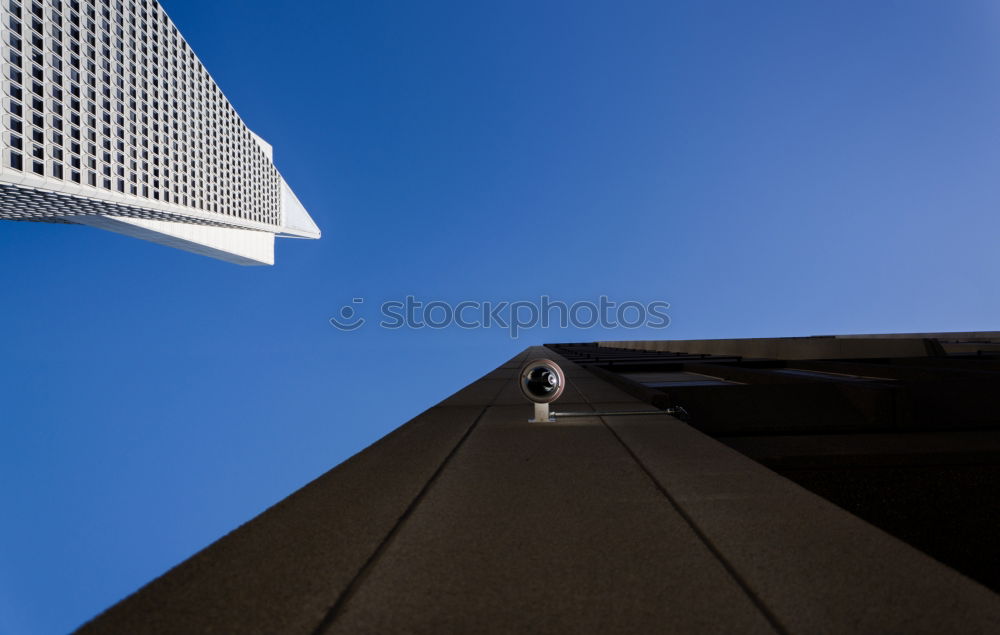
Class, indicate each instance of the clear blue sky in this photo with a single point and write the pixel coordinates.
(768, 168)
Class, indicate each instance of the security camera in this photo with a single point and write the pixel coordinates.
(542, 382)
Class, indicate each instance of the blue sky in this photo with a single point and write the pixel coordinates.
(767, 168)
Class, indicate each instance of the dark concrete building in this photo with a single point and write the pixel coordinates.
(814, 485)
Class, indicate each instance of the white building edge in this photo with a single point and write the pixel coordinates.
(109, 120)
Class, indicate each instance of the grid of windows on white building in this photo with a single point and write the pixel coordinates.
(105, 101)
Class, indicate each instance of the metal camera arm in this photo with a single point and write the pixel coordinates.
(542, 414)
(542, 381)
(675, 411)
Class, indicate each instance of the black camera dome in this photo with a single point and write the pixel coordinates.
(542, 381)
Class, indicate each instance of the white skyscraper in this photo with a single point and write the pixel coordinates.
(110, 120)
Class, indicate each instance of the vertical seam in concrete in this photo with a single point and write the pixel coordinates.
(335, 610)
(355, 582)
(730, 569)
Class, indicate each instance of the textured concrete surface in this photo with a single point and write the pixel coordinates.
(471, 519)
(549, 528)
(817, 568)
(282, 571)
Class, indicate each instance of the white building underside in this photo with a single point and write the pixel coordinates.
(110, 121)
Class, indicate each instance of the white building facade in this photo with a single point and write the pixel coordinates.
(110, 120)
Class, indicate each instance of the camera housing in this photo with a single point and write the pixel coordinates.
(542, 381)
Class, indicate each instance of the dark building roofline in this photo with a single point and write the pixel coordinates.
(829, 346)
(470, 518)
